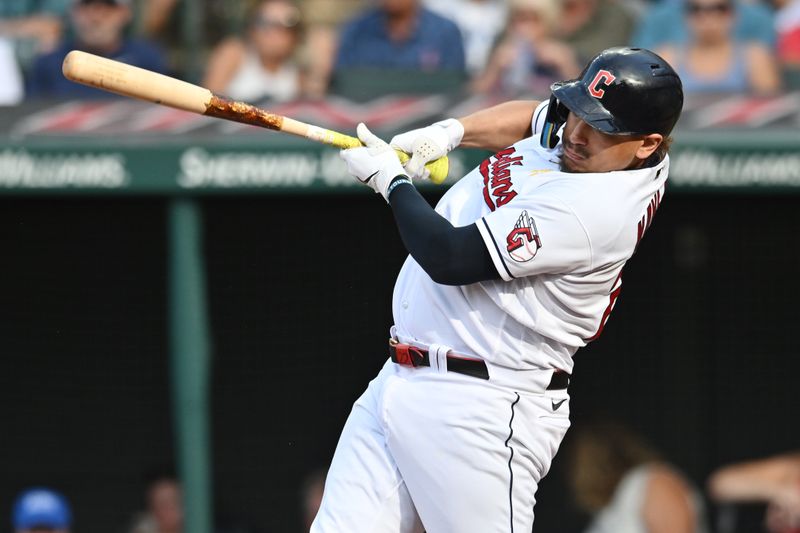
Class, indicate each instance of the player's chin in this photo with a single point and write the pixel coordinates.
(568, 165)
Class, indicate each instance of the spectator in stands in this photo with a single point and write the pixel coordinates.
(481, 23)
(529, 59)
(591, 26)
(155, 16)
(99, 27)
(787, 24)
(402, 35)
(27, 28)
(713, 61)
(311, 496)
(262, 65)
(163, 22)
(41, 510)
(32, 20)
(774, 481)
(322, 21)
(11, 90)
(164, 512)
(625, 486)
(664, 23)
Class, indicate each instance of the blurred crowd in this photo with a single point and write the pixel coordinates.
(615, 477)
(290, 49)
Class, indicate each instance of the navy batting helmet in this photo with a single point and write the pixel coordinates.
(622, 91)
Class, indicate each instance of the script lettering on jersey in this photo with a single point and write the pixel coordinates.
(496, 174)
(648, 216)
(642, 226)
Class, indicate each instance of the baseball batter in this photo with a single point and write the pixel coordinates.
(517, 267)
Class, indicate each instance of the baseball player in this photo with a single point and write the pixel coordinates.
(517, 267)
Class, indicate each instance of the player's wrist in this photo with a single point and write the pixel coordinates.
(398, 181)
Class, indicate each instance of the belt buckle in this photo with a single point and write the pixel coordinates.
(406, 355)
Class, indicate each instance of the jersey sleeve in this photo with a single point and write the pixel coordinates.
(539, 234)
(539, 114)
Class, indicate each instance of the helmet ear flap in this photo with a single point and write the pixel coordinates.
(557, 114)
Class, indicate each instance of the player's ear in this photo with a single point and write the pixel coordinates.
(650, 144)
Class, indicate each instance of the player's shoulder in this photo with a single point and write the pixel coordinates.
(607, 204)
(608, 194)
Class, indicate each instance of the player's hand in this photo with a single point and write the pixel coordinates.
(428, 144)
(375, 164)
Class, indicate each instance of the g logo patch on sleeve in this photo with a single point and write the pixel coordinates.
(523, 242)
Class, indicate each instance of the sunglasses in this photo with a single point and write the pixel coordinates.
(288, 22)
(720, 8)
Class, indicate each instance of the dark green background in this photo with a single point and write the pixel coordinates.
(700, 354)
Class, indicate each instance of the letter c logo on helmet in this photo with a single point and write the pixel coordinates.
(643, 95)
(604, 77)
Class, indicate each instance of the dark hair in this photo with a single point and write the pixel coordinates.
(663, 148)
(157, 474)
(656, 157)
(600, 453)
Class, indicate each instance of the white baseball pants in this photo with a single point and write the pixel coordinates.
(442, 452)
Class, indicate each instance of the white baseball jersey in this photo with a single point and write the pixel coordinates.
(559, 241)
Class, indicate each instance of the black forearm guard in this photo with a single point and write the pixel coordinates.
(449, 255)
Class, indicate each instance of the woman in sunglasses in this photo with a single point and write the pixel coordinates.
(262, 65)
(713, 61)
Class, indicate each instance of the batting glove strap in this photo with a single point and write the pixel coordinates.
(428, 144)
(396, 182)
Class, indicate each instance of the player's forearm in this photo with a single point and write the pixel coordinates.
(500, 126)
(449, 255)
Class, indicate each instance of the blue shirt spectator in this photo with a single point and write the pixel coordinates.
(99, 27)
(664, 24)
(433, 43)
(33, 26)
(46, 79)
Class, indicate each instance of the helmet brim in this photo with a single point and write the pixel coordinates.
(588, 108)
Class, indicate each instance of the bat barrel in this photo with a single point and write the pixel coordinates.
(127, 80)
(134, 82)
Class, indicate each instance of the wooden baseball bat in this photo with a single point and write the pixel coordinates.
(135, 82)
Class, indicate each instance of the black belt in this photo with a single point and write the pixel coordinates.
(407, 355)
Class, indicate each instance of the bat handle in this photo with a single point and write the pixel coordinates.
(438, 168)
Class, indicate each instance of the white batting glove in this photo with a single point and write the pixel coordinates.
(428, 144)
(375, 164)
